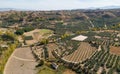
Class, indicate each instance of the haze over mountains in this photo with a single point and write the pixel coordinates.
(8, 9)
(105, 7)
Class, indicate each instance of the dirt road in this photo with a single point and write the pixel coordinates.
(21, 62)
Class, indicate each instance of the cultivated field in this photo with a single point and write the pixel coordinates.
(51, 47)
(41, 53)
(103, 61)
(37, 35)
(84, 51)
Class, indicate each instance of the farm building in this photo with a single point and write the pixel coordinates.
(80, 38)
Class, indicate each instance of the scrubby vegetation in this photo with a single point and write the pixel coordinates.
(9, 43)
(25, 29)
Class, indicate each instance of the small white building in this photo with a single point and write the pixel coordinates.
(80, 38)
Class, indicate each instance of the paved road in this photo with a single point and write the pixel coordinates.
(21, 62)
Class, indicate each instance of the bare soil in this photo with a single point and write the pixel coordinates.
(68, 71)
(115, 50)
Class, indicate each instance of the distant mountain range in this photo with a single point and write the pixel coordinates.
(105, 7)
(6, 9)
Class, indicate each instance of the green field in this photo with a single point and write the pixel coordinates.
(46, 70)
(44, 31)
(39, 32)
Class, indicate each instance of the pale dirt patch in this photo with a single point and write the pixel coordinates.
(68, 71)
(20, 39)
(100, 70)
(30, 42)
(115, 50)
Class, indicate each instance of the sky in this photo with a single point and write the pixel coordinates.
(56, 4)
